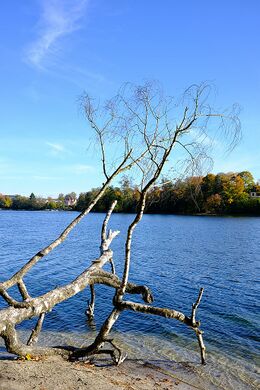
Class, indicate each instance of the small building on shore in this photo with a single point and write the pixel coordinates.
(254, 194)
(70, 200)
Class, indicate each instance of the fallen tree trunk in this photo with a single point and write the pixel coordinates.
(18, 311)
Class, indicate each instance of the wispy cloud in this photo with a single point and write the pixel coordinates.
(56, 149)
(58, 18)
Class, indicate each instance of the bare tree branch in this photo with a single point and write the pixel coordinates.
(36, 331)
(146, 127)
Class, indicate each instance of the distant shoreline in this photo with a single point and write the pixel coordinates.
(146, 213)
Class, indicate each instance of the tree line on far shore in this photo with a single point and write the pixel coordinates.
(224, 193)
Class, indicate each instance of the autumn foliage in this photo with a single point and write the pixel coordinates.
(224, 193)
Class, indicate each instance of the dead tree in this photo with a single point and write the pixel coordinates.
(149, 127)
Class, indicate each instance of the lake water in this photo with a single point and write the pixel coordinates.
(175, 256)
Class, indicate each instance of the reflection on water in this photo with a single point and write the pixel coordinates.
(175, 256)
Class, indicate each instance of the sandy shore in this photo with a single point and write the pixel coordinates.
(55, 373)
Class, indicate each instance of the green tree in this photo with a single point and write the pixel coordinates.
(208, 185)
(232, 187)
(7, 202)
(248, 180)
(32, 202)
(21, 203)
(128, 200)
(60, 203)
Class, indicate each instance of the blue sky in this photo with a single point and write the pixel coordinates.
(53, 50)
